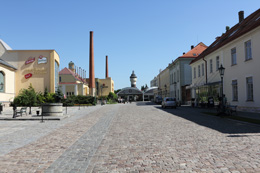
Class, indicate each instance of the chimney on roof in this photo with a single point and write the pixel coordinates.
(192, 46)
(183, 53)
(227, 28)
(241, 16)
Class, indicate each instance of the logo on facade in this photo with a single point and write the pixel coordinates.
(28, 75)
(30, 60)
(42, 60)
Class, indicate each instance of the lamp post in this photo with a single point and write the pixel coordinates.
(221, 72)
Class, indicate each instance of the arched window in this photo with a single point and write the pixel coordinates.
(2, 82)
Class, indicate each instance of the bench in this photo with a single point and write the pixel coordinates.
(22, 110)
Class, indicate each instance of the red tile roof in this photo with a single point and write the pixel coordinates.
(195, 52)
(67, 71)
(248, 24)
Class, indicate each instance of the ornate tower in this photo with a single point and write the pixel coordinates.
(133, 79)
(72, 66)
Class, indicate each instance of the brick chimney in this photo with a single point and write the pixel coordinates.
(241, 16)
(106, 66)
(91, 66)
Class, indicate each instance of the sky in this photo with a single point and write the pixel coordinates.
(140, 35)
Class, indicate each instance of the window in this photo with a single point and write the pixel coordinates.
(211, 66)
(199, 71)
(249, 88)
(174, 76)
(202, 69)
(248, 53)
(217, 63)
(178, 76)
(194, 72)
(60, 78)
(234, 90)
(2, 82)
(233, 56)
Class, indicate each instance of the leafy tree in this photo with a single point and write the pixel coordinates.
(112, 97)
(26, 97)
(117, 91)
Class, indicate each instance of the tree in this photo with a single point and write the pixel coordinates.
(117, 91)
(26, 97)
(146, 87)
(112, 96)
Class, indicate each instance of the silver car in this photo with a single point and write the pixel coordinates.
(169, 102)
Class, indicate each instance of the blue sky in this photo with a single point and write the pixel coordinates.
(140, 35)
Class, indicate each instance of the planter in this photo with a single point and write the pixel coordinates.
(52, 109)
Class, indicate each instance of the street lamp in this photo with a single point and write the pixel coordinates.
(221, 72)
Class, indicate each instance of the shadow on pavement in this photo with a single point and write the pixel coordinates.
(221, 124)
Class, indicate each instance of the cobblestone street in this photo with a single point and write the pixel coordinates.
(137, 137)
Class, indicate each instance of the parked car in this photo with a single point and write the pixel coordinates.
(158, 99)
(169, 102)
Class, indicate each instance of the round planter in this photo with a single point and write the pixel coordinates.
(52, 109)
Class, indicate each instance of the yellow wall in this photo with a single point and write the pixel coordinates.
(9, 88)
(42, 74)
(110, 86)
(67, 78)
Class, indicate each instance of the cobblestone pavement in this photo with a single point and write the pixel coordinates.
(137, 137)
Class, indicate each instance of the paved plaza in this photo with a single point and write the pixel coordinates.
(137, 137)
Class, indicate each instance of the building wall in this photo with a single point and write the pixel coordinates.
(67, 78)
(242, 70)
(9, 88)
(42, 74)
(239, 72)
(163, 80)
(106, 82)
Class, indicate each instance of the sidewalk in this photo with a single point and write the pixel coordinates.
(251, 115)
(7, 114)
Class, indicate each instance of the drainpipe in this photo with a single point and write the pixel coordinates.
(206, 74)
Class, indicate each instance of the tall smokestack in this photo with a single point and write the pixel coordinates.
(91, 66)
(106, 66)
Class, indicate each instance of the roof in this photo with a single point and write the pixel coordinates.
(195, 52)
(246, 25)
(67, 71)
(7, 64)
(6, 46)
(130, 91)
